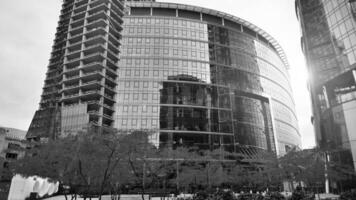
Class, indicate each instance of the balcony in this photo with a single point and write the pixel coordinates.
(94, 10)
(69, 87)
(59, 45)
(77, 31)
(89, 73)
(117, 19)
(64, 21)
(97, 16)
(72, 71)
(92, 75)
(48, 85)
(93, 102)
(56, 58)
(73, 56)
(108, 117)
(71, 65)
(110, 107)
(119, 4)
(74, 48)
(60, 41)
(80, 3)
(91, 85)
(112, 53)
(51, 74)
(94, 41)
(57, 51)
(68, 4)
(77, 24)
(107, 122)
(70, 91)
(75, 40)
(70, 96)
(62, 30)
(51, 71)
(113, 57)
(80, 9)
(45, 94)
(110, 89)
(95, 32)
(99, 48)
(93, 4)
(110, 80)
(71, 78)
(111, 73)
(109, 97)
(95, 66)
(90, 94)
(67, 10)
(114, 50)
(99, 23)
(114, 41)
(98, 57)
(51, 78)
(78, 17)
(112, 66)
(118, 11)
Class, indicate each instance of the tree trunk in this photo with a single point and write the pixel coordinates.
(207, 179)
(143, 180)
(138, 177)
(106, 173)
(143, 192)
(177, 176)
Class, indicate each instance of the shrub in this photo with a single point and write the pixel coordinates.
(274, 196)
(223, 195)
(201, 195)
(350, 195)
(250, 197)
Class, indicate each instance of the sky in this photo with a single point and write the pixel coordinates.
(27, 33)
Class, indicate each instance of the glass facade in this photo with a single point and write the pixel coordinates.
(193, 76)
(203, 79)
(329, 44)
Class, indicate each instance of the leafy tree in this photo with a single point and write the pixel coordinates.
(308, 166)
(85, 162)
(350, 195)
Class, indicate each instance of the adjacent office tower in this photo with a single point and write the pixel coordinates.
(204, 78)
(82, 73)
(329, 45)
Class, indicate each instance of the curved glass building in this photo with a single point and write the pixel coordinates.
(203, 78)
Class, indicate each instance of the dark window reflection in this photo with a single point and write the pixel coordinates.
(236, 79)
(253, 122)
(195, 119)
(194, 94)
(201, 141)
(186, 94)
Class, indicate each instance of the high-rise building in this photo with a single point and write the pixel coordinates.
(192, 76)
(82, 73)
(205, 78)
(12, 147)
(329, 45)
